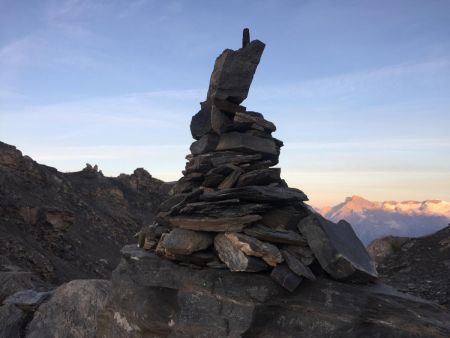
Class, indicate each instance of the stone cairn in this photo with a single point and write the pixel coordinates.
(232, 210)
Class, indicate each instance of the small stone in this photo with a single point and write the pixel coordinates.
(302, 253)
(254, 247)
(228, 106)
(220, 121)
(233, 157)
(201, 122)
(206, 143)
(234, 258)
(245, 37)
(275, 235)
(213, 180)
(259, 177)
(185, 242)
(213, 224)
(27, 299)
(255, 193)
(285, 277)
(297, 266)
(251, 118)
(231, 179)
(223, 208)
(284, 217)
(247, 143)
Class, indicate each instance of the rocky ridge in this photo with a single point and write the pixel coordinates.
(58, 226)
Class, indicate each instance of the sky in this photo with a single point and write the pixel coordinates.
(359, 90)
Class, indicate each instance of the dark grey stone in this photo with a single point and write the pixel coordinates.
(337, 248)
(201, 122)
(245, 37)
(285, 277)
(255, 193)
(220, 121)
(259, 177)
(224, 208)
(249, 118)
(247, 143)
(206, 143)
(228, 106)
(297, 266)
(233, 72)
(27, 299)
(281, 236)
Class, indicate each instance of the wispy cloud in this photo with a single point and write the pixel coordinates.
(135, 108)
(19, 52)
(343, 85)
(103, 152)
(67, 9)
(404, 144)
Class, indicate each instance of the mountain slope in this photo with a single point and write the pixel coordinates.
(372, 220)
(64, 226)
(420, 266)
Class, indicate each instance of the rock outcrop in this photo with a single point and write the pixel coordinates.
(232, 209)
(155, 297)
(64, 226)
(419, 266)
(72, 310)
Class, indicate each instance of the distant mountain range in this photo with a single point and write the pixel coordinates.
(372, 220)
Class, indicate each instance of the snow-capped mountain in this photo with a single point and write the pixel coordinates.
(372, 220)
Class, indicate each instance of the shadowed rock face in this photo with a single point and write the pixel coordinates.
(154, 297)
(419, 266)
(64, 226)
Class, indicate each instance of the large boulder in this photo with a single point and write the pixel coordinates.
(154, 297)
(72, 310)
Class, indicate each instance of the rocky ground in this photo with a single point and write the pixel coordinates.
(64, 226)
(419, 266)
(185, 302)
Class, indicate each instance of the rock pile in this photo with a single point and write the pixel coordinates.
(231, 209)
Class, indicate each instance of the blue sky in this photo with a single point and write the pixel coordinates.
(359, 90)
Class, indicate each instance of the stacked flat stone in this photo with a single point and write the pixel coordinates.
(231, 209)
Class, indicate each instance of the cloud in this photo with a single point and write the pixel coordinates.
(20, 51)
(134, 108)
(343, 85)
(69, 9)
(102, 152)
(379, 145)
